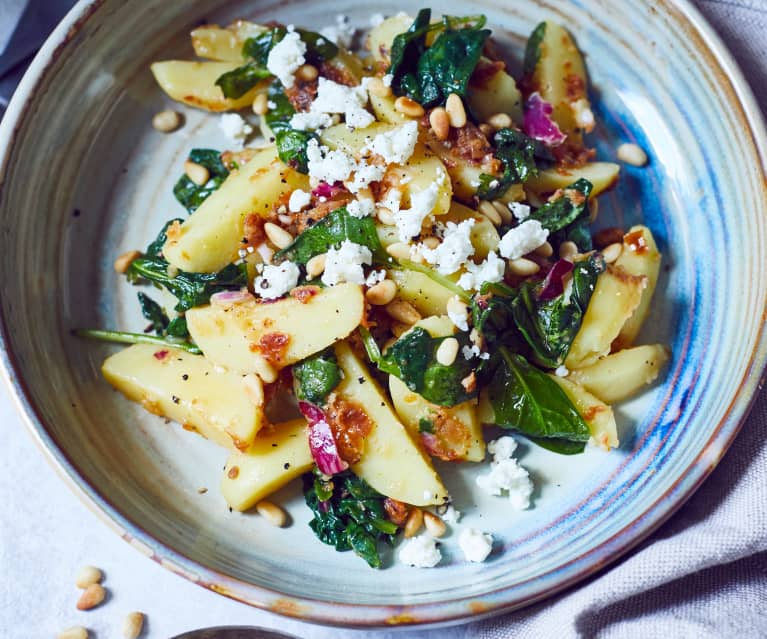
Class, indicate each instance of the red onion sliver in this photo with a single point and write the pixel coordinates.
(537, 121)
(226, 298)
(322, 444)
(323, 189)
(553, 286)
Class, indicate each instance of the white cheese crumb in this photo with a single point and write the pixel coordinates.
(375, 277)
(338, 98)
(276, 280)
(342, 33)
(470, 351)
(421, 552)
(376, 19)
(310, 120)
(345, 264)
(506, 475)
(458, 314)
(584, 116)
(285, 58)
(475, 544)
(409, 221)
(235, 128)
(392, 200)
(519, 210)
(364, 207)
(502, 448)
(491, 270)
(455, 249)
(387, 79)
(364, 174)
(326, 165)
(299, 200)
(562, 371)
(451, 515)
(522, 239)
(395, 146)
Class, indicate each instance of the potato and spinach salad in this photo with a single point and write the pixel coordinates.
(389, 255)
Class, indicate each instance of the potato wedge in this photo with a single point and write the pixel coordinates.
(380, 38)
(210, 238)
(603, 175)
(189, 389)
(278, 454)
(429, 297)
(616, 295)
(238, 337)
(392, 462)
(194, 84)
(497, 93)
(383, 108)
(622, 374)
(597, 415)
(215, 43)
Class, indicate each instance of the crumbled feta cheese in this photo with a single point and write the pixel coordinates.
(421, 552)
(310, 121)
(519, 210)
(326, 165)
(562, 371)
(522, 239)
(584, 116)
(475, 544)
(276, 280)
(286, 56)
(364, 174)
(364, 207)
(376, 19)
(451, 515)
(387, 79)
(491, 270)
(458, 313)
(333, 98)
(299, 200)
(502, 448)
(375, 277)
(454, 250)
(397, 145)
(409, 221)
(342, 33)
(506, 475)
(470, 351)
(235, 128)
(392, 200)
(271, 105)
(345, 264)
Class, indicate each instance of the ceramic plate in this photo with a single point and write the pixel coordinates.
(85, 177)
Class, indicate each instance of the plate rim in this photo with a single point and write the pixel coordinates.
(448, 611)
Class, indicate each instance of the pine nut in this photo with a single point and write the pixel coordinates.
(166, 121)
(266, 252)
(447, 351)
(307, 72)
(399, 251)
(440, 123)
(545, 250)
(398, 329)
(377, 87)
(408, 107)
(261, 104)
(385, 216)
(434, 524)
(382, 293)
(456, 308)
(272, 513)
(133, 625)
(285, 218)
(196, 172)
(523, 267)
(414, 522)
(503, 211)
(612, 252)
(92, 596)
(316, 265)
(265, 371)
(75, 632)
(568, 250)
(487, 130)
(490, 212)
(277, 235)
(88, 575)
(124, 260)
(455, 111)
(403, 311)
(431, 242)
(632, 154)
(499, 121)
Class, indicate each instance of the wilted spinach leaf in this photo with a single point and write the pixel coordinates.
(191, 195)
(237, 82)
(567, 218)
(155, 248)
(153, 312)
(533, 49)
(316, 376)
(291, 143)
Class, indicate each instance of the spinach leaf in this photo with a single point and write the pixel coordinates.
(348, 514)
(153, 312)
(533, 49)
(407, 48)
(492, 314)
(191, 195)
(155, 248)
(291, 143)
(190, 289)
(237, 82)
(550, 326)
(567, 218)
(316, 376)
(330, 231)
(561, 446)
(177, 327)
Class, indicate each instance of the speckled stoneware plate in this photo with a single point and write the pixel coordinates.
(85, 177)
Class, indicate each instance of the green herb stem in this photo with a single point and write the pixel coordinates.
(121, 337)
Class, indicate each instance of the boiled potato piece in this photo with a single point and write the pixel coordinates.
(421, 171)
(429, 297)
(215, 43)
(381, 37)
(616, 295)
(497, 93)
(279, 454)
(484, 236)
(238, 337)
(603, 175)
(221, 406)
(622, 374)
(392, 463)
(352, 141)
(640, 257)
(597, 415)
(194, 83)
(383, 108)
(210, 238)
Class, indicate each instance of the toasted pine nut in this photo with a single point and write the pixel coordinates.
(265, 371)
(196, 172)
(399, 251)
(261, 104)
(266, 252)
(490, 212)
(92, 596)
(408, 107)
(447, 351)
(285, 218)
(503, 211)
(431, 242)
(499, 121)
(385, 216)
(414, 522)
(166, 121)
(434, 524)
(272, 513)
(440, 123)
(307, 72)
(545, 250)
(403, 311)
(398, 329)
(568, 250)
(486, 129)
(377, 87)
(382, 293)
(612, 252)
(124, 260)
(75, 632)
(88, 575)
(316, 265)
(524, 267)
(455, 111)
(632, 154)
(133, 625)
(278, 235)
